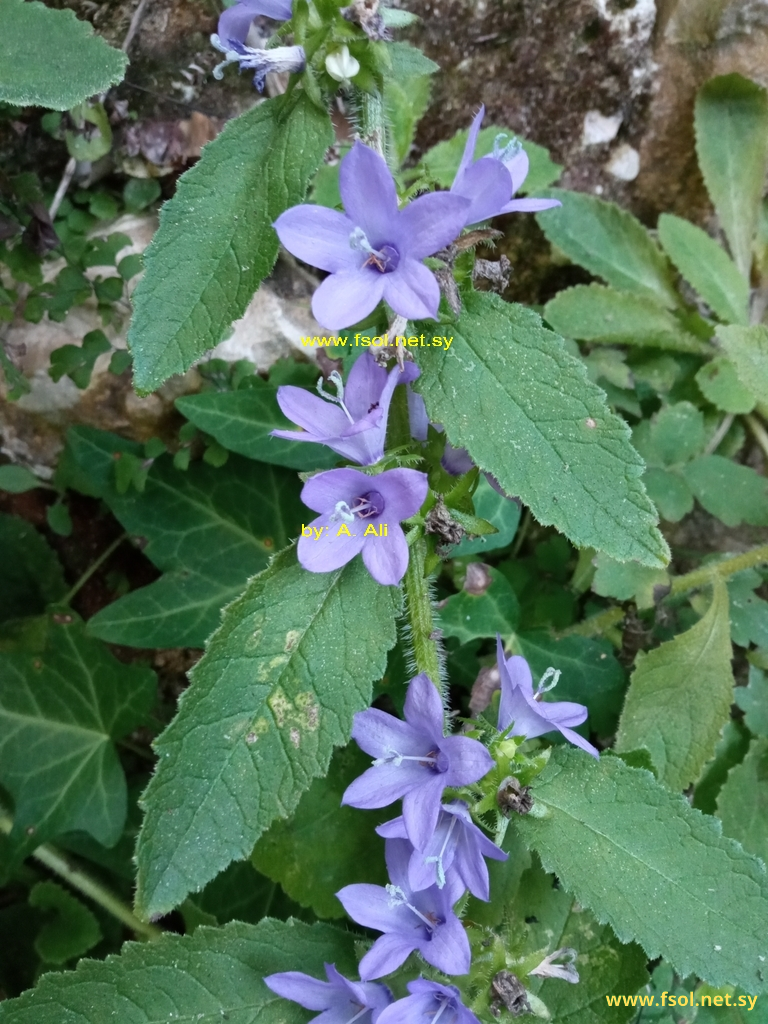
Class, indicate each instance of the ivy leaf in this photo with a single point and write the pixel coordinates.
(747, 347)
(742, 804)
(31, 575)
(52, 59)
(610, 243)
(680, 696)
(753, 701)
(658, 871)
(467, 615)
(71, 932)
(295, 853)
(732, 145)
(61, 709)
(707, 267)
(733, 493)
(241, 421)
(216, 243)
(273, 695)
(215, 975)
(592, 312)
(524, 409)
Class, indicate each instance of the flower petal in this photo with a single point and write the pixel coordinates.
(421, 809)
(424, 708)
(320, 418)
(364, 385)
(368, 192)
(579, 741)
(448, 950)
(412, 290)
(386, 954)
(371, 905)
(397, 854)
(530, 205)
(331, 550)
(431, 222)
(488, 186)
(322, 492)
(382, 785)
(469, 149)
(468, 760)
(404, 492)
(518, 169)
(301, 988)
(386, 558)
(380, 735)
(235, 22)
(318, 236)
(347, 296)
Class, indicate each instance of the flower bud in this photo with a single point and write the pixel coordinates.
(341, 65)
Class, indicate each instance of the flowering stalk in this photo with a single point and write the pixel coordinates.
(424, 638)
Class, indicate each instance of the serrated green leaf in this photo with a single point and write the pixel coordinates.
(749, 613)
(405, 103)
(325, 846)
(747, 347)
(731, 750)
(409, 62)
(732, 145)
(273, 695)
(627, 581)
(753, 701)
(216, 243)
(60, 710)
(213, 975)
(610, 243)
(742, 804)
(242, 421)
(17, 479)
(680, 696)
(208, 529)
(73, 929)
(658, 871)
(592, 312)
(720, 385)
(732, 1007)
(707, 267)
(525, 410)
(467, 616)
(502, 512)
(31, 575)
(674, 435)
(733, 493)
(50, 58)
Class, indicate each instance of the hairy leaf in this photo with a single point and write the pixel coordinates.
(733, 493)
(216, 243)
(742, 804)
(628, 581)
(524, 409)
(719, 382)
(658, 871)
(753, 701)
(747, 347)
(293, 660)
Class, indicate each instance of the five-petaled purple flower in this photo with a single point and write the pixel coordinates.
(341, 1001)
(490, 182)
(410, 920)
(456, 849)
(415, 760)
(355, 426)
(429, 1003)
(524, 710)
(361, 513)
(230, 39)
(374, 250)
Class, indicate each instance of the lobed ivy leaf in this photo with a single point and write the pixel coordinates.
(70, 931)
(214, 975)
(742, 804)
(658, 871)
(496, 610)
(525, 410)
(749, 613)
(216, 243)
(292, 661)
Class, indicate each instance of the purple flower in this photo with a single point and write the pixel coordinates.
(410, 920)
(374, 250)
(361, 513)
(490, 182)
(230, 39)
(355, 426)
(430, 1003)
(531, 716)
(457, 848)
(341, 1001)
(414, 760)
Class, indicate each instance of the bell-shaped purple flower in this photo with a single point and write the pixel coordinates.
(457, 849)
(339, 1000)
(361, 513)
(429, 1003)
(415, 760)
(354, 422)
(526, 712)
(374, 250)
(490, 182)
(232, 33)
(409, 920)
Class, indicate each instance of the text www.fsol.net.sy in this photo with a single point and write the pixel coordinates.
(684, 999)
(379, 341)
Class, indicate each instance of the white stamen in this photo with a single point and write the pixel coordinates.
(397, 898)
(342, 511)
(551, 673)
(506, 151)
(360, 1013)
(438, 860)
(397, 759)
(335, 379)
(444, 1004)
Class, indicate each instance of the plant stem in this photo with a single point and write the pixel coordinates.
(93, 568)
(372, 130)
(596, 625)
(78, 879)
(759, 432)
(424, 637)
(724, 569)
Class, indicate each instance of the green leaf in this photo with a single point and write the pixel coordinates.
(602, 315)
(720, 384)
(139, 193)
(213, 975)
(496, 610)
(733, 493)
(77, 361)
(409, 62)
(51, 59)
(17, 479)
(749, 613)
(675, 434)
(58, 518)
(405, 103)
(742, 805)
(271, 698)
(747, 347)
(208, 529)
(732, 145)
(216, 243)
(753, 701)
(658, 871)
(61, 709)
(31, 575)
(732, 1007)
(731, 750)
(242, 894)
(628, 581)
(72, 932)
(523, 407)
(680, 696)
(242, 420)
(669, 492)
(295, 853)
(495, 508)
(610, 243)
(707, 267)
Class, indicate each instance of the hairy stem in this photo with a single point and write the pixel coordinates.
(371, 128)
(723, 570)
(596, 625)
(57, 862)
(424, 637)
